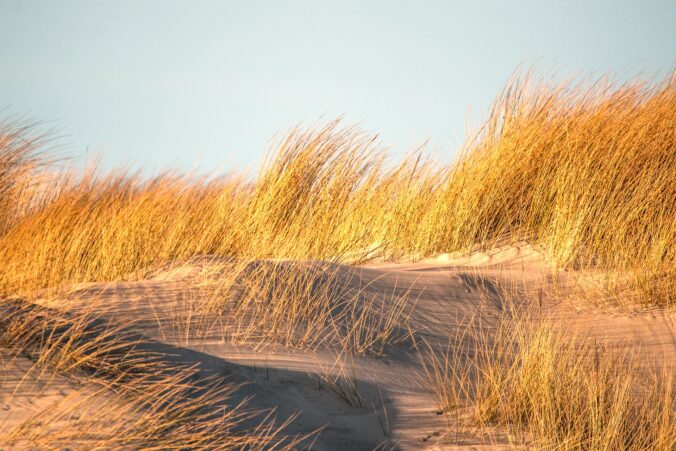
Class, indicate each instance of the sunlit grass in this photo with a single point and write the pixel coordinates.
(551, 389)
(586, 172)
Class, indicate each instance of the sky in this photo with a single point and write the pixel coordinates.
(206, 85)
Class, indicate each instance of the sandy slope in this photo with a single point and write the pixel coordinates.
(394, 405)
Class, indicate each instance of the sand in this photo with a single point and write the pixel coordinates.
(392, 405)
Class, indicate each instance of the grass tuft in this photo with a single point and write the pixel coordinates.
(552, 390)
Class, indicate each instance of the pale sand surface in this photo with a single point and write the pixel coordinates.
(397, 407)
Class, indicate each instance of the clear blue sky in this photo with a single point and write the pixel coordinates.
(161, 84)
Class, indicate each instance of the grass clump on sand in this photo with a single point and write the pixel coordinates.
(150, 402)
(303, 304)
(554, 391)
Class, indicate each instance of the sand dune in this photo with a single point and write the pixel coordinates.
(354, 401)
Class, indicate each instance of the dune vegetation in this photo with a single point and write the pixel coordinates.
(153, 405)
(584, 172)
(553, 390)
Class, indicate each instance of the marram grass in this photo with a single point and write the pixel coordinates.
(586, 172)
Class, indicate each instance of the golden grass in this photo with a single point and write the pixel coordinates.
(585, 171)
(20, 161)
(301, 304)
(159, 416)
(552, 390)
(148, 402)
(310, 304)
